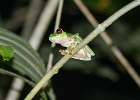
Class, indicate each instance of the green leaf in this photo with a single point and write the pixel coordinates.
(7, 52)
(25, 60)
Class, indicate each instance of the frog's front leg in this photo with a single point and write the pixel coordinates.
(72, 45)
(67, 51)
(63, 52)
(76, 40)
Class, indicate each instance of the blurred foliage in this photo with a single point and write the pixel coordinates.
(103, 6)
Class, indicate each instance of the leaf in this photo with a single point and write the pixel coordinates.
(7, 52)
(25, 59)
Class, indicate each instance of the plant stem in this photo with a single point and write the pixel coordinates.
(93, 34)
(51, 55)
(43, 23)
(57, 23)
(3, 71)
(128, 67)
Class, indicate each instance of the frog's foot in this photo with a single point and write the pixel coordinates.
(63, 52)
(82, 55)
(69, 50)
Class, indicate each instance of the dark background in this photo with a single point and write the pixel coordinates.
(102, 78)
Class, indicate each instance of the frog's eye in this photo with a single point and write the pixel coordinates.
(59, 31)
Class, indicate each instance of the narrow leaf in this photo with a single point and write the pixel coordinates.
(25, 59)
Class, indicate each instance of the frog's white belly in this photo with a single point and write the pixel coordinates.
(64, 41)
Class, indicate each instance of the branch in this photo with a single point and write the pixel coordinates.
(109, 42)
(93, 34)
(51, 55)
(57, 23)
(31, 16)
(43, 23)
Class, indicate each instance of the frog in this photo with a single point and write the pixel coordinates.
(70, 41)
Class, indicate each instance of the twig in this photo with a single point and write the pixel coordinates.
(126, 65)
(92, 20)
(43, 23)
(93, 34)
(109, 42)
(57, 23)
(31, 17)
(14, 92)
(51, 55)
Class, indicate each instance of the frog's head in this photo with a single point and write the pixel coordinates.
(57, 35)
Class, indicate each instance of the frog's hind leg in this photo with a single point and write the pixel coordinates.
(82, 55)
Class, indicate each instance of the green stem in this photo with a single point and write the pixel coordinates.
(93, 34)
(3, 71)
